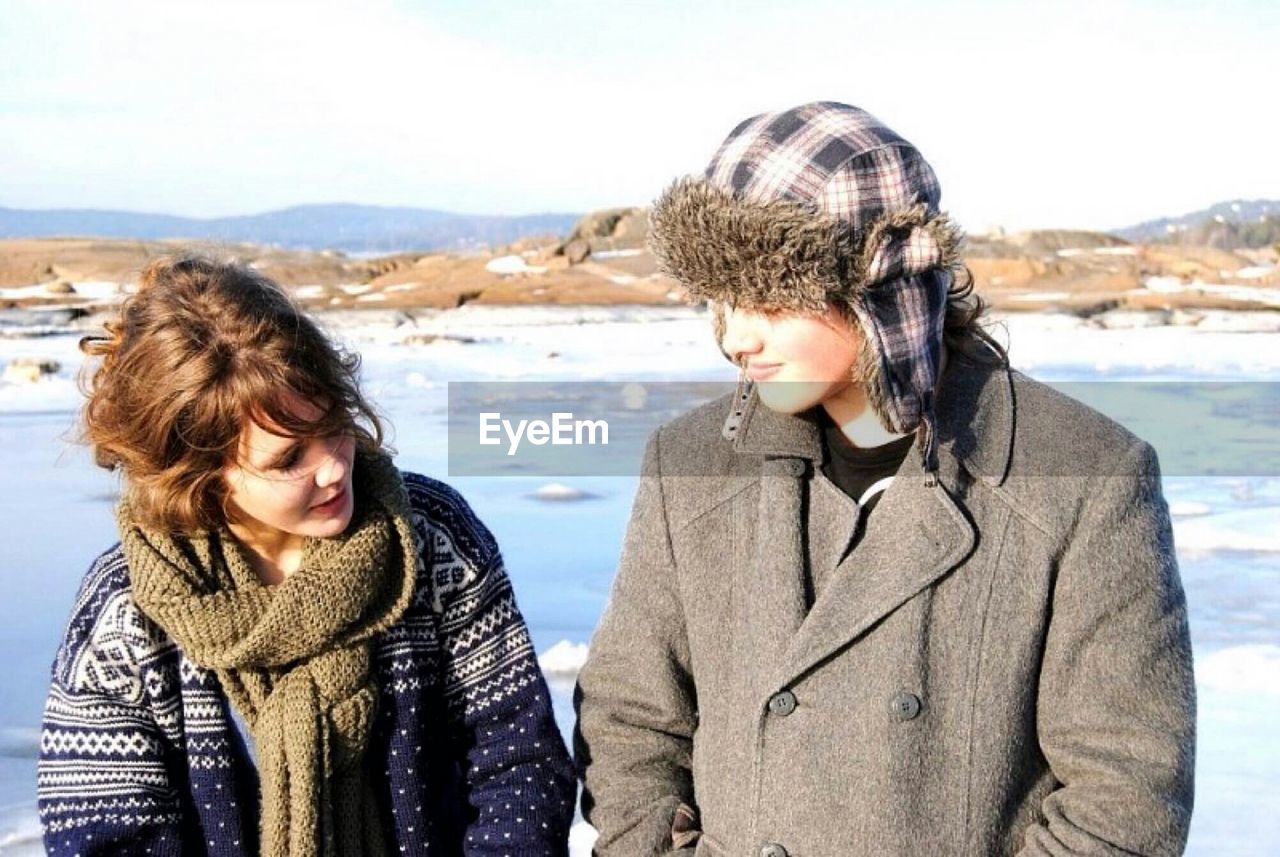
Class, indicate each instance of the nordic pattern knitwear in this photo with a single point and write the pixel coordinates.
(294, 659)
(139, 754)
(824, 204)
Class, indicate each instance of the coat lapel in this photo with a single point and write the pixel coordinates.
(776, 598)
(789, 448)
(916, 536)
(831, 524)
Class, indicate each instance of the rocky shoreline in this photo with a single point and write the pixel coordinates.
(53, 282)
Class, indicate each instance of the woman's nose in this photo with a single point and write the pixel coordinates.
(742, 334)
(336, 461)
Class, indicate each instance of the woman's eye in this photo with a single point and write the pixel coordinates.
(290, 459)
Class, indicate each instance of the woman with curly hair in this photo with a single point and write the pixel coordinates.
(295, 648)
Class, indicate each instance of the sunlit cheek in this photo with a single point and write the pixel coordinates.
(276, 497)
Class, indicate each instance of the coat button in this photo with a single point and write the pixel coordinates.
(782, 703)
(905, 706)
(796, 467)
(773, 849)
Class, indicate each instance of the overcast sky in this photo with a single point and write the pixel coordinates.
(1073, 114)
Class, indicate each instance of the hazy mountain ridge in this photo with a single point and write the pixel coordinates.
(338, 226)
(1228, 225)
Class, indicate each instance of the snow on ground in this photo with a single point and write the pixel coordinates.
(563, 659)
(1255, 530)
(557, 492)
(581, 839)
(1057, 347)
(1175, 285)
(1189, 508)
(508, 265)
(1041, 296)
(88, 289)
(1245, 669)
(1068, 252)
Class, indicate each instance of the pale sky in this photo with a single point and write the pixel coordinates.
(1072, 114)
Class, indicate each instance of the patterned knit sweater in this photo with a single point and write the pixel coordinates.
(139, 754)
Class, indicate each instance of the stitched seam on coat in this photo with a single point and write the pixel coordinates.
(675, 579)
(976, 675)
(748, 484)
(1010, 503)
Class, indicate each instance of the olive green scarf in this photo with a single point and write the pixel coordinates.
(296, 658)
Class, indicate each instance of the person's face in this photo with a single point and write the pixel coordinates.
(298, 486)
(797, 360)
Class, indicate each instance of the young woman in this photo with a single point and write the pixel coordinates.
(295, 649)
(892, 597)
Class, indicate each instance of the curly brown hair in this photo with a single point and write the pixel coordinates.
(203, 347)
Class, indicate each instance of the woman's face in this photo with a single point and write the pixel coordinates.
(298, 486)
(797, 359)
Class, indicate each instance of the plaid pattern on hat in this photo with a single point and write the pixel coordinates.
(839, 159)
(824, 204)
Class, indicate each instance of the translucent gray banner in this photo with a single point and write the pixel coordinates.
(573, 428)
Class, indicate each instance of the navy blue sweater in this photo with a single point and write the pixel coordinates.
(139, 754)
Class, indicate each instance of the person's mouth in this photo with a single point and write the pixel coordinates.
(332, 504)
(760, 371)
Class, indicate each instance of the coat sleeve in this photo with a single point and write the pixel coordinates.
(636, 704)
(1116, 702)
(102, 783)
(519, 778)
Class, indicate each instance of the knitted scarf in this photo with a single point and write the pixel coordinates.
(296, 658)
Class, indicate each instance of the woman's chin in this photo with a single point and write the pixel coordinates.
(791, 397)
(328, 527)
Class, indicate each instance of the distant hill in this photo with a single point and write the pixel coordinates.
(340, 226)
(1226, 225)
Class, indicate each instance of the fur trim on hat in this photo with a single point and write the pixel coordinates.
(778, 254)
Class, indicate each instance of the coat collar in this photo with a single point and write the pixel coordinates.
(975, 423)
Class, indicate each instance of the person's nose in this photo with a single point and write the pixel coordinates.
(743, 334)
(337, 461)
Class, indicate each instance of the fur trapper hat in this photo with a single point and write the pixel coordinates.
(824, 204)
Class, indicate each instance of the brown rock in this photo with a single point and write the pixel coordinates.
(1045, 241)
(576, 251)
(612, 229)
(534, 245)
(430, 338)
(1005, 273)
(30, 369)
(60, 287)
(576, 286)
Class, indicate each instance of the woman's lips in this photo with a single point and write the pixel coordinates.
(761, 371)
(332, 504)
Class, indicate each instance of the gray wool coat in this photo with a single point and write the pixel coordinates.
(998, 664)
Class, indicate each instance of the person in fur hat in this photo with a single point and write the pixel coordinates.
(890, 596)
